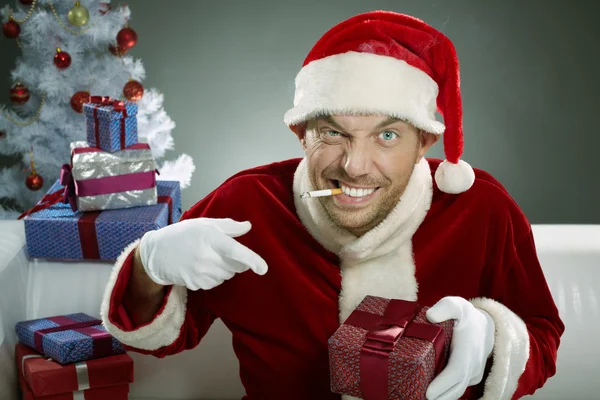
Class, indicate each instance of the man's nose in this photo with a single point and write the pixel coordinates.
(358, 160)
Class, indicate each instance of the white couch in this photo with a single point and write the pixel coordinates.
(570, 256)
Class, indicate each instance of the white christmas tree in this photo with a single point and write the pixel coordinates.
(71, 50)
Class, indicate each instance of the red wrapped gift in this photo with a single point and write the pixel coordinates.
(119, 392)
(388, 350)
(44, 377)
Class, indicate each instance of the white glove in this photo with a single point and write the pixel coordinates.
(472, 344)
(198, 253)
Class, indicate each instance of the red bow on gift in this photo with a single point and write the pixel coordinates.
(66, 195)
(118, 105)
(66, 179)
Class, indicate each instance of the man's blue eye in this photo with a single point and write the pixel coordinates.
(333, 133)
(389, 135)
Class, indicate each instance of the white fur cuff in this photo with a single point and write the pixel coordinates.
(511, 350)
(165, 327)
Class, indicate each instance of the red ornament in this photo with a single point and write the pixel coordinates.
(2, 135)
(117, 50)
(62, 59)
(11, 29)
(126, 38)
(79, 99)
(133, 90)
(34, 181)
(19, 94)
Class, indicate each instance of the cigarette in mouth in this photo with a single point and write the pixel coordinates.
(321, 193)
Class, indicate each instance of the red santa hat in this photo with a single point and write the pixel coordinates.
(382, 62)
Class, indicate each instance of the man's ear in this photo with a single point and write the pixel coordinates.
(426, 141)
(300, 131)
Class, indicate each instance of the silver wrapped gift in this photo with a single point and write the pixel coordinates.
(105, 181)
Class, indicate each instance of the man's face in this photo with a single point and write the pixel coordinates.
(370, 157)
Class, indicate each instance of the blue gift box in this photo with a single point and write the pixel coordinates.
(60, 233)
(109, 128)
(68, 339)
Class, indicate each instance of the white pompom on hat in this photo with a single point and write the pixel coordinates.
(387, 63)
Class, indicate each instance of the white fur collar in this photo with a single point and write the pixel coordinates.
(380, 262)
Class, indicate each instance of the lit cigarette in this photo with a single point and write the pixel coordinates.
(321, 193)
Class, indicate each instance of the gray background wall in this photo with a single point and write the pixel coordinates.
(528, 72)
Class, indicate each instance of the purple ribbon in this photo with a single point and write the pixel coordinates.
(66, 179)
(115, 184)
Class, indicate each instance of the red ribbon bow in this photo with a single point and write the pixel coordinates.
(66, 179)
(65, 195)
(118, 105)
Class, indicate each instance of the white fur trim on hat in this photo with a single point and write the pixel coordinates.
(511, 350)
(364, 83)
(165, 327)
(454, 178)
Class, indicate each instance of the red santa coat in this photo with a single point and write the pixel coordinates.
(477, 245)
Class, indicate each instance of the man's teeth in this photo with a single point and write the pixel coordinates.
(353, 192)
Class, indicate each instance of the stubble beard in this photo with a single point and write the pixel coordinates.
(360, 221)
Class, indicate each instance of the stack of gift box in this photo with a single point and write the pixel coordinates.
(107, 196)
(71, 357)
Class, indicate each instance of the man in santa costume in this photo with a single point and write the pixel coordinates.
(283, 271)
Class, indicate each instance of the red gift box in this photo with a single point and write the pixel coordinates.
(388, 350)
(44, 377)
(119, 392)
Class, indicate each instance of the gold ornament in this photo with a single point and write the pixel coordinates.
(65, 27)
(78, 15)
